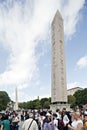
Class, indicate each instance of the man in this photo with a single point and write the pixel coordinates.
(65, 120)
(55, 121)
(30, 124)
(85, 120)
(58, 114)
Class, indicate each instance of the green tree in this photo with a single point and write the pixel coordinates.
(29, 104)
(71, 100)
(81, 97)
(4, 100)
(23, 105)
(47, 104)
(36, 104)
(42, 102)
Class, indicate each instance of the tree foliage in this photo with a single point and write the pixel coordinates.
(4, 99)
(81, 97)
(71, 100)
(36, 104)
(42, 102)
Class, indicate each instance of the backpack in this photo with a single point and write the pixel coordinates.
(60, 124)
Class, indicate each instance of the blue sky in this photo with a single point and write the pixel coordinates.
(25, 45)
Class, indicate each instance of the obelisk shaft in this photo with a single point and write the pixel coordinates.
(58, 75)
(16, 98)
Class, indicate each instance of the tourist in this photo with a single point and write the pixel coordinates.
(41, 117)
(30, 124)
(58, 114)
(78, 125)
(0, 120)
(74, 122)
(55, 121)
(47, 122)
(14, 122)
(85, 121)
(65, 120)
(5, 124)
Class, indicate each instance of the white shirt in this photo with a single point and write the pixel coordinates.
(74, 124)
(55, 124)
(58, 115)
(65, 119)
(27, 122)
(78, 121)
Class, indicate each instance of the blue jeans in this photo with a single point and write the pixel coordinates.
(17, 127)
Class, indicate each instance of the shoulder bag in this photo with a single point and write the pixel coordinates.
(30, 125)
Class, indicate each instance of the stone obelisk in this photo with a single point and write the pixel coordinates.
(16, 99)
(58, 72)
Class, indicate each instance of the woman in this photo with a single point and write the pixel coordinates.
(73, 122)
(78, 124)
(65, 120)
(15, 121)
(85, 121)
(47, 122)
(55, 121)
(5, 124)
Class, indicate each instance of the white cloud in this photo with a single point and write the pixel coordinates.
(22, 96)
(73, 85)
(26, 97)
(76, 84)
(22, 26)
(22, 86)
(71, 14)
(82, 62)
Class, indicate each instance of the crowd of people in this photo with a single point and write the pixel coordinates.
(9, 120)
(44, 120)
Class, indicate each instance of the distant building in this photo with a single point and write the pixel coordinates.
(73, 90)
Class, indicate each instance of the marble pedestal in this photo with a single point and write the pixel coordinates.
(59, 106)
